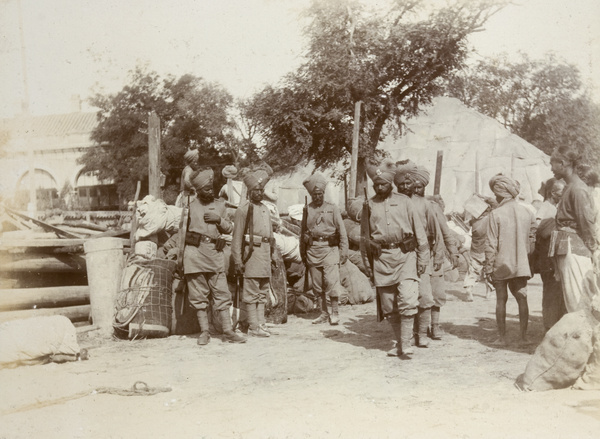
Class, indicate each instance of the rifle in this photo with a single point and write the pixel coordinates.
(183, 226)
(237, 300)
(303, 243)
(366, 243)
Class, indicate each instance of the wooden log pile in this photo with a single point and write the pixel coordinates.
(43, 268)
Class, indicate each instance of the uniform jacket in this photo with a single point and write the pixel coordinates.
(259, 264)
(324, 221)
(429, 220)
(205, 258)
(576, 210)
(391, 221)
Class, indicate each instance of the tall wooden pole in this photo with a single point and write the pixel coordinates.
(438, 172)
(154, 155)
(354, 157)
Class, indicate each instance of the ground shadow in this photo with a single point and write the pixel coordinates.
(485, 331)
(363, 331)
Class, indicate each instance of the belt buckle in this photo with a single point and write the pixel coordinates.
(205, 239)
(393, 245)
(265, 239)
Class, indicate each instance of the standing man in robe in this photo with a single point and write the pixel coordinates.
(576, 239)
(252, 249)
(203, 260)
(510, 228)
(395, 251)
(324, 247)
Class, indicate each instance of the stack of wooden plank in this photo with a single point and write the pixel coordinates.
(43, 269)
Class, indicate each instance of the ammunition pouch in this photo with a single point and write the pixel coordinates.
(194, 239)
(259, 240)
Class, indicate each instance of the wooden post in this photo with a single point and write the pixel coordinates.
(354, 157)
(154, 155)
(477, 188)
(438, 172)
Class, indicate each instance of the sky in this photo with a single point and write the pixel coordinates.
(80, 47)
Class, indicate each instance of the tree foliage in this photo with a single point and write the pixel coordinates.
(391, 61)
(542, 101)
(193, 114)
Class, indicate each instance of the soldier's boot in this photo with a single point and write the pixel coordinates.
(423, 321)
(204, 337)
(228, 332)
(262, 321)
(324, 317)
(254, 330)
(394, 321)
(406, 334)
(469, 292)
(334, 318)
(436, 330)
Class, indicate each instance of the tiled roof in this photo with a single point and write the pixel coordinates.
(51, 125)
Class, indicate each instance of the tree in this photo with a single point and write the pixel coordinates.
(192, 112)
(390, 61)
(542, 101)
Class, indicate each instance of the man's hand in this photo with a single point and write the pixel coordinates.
(212, 218)
(437, 266)
(490, 278)
(239, 269)
(421, 268)
(343, 259)
(368, 272)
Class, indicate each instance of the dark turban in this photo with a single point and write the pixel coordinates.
(504, 186)
(420, 174)
(403, 169)
(257, 178)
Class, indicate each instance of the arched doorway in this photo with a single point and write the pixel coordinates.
(46, 190)
(95, 194)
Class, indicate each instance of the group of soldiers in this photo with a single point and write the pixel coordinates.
(405, 240)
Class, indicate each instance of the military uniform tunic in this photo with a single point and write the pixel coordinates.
(323, 259)
(203, 265)
(257, 269)
(395, 272)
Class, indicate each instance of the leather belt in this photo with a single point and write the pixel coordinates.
(390, 245)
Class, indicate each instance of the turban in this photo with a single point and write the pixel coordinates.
(382, 173)
(420, 174)
(404, 168)
(504, 186)
(191, 156)
(229, 171)
(314, 182)
(258, 177)
(202, 178)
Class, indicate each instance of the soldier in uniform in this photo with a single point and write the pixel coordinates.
(396, 252)
(420, 177)
(203, 260)
(406, 176)
(252, 249)
(324, 247)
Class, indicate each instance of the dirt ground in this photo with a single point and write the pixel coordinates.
(308, 381)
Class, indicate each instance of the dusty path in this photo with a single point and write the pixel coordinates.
(307, 381)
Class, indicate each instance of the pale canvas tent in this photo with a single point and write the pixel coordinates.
(465, 136)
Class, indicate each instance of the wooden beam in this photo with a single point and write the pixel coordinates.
(40, 263)
(49, 297)
(438, 172)
(74, 313)
(355, 145)
(39, 243)
(43, 225)
(154, 155)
